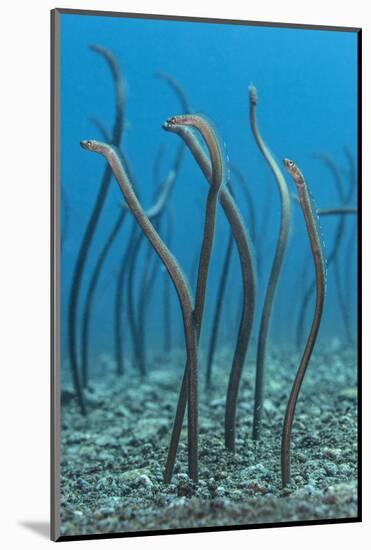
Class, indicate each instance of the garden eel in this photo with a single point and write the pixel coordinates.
(321, 212)
(319, 264)
(332, 257)
(265, 221)
(156, 172)
(93, 283)
(96, 273)
(333, 210)
(97, 270)
(337, 211)
(134, 325)
(345, 197)
(244, 248)
(177, 89)
(137, 359)
(131, 251)
(166, 287)
(338, 238)
(249, 201)
(111, 156)
(91, 227)
(218, 309)
(330, 164)
(185, 107)
(153, 214)
(352, 173)
(146, 288)
(147, 281)
(101, 128)
(152, 264)
(145, 291)
(216, 180)
(276, 266)
(86, 317)
(118, 307)
(252, 225)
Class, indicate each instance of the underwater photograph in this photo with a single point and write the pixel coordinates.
(206, 231)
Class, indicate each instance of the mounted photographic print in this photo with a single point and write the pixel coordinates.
(205, 307)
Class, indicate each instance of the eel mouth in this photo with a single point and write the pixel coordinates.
(169, 123)
(86, 144)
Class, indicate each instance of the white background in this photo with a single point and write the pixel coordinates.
(24, 270)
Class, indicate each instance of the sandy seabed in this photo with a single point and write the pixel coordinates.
(112, 461)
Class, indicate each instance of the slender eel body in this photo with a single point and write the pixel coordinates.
(149, 275)
(334, 257)
(151, 263)
(217, 177)
(90, 229)
(138, 358)
(118, 305)
(319, 264)
(148, 278)
(185, 107)
(218, 310)
(338, 240)
(86, 317)
(244, 248)
(180, 284)
(337, 211)
(166, 288)
(179, 92)
(95, 275)
(93, 283)
(126, 269)
(276, 266)
(249, 201)
(146, 288)
(344, 196)
(332, 210)
(134, 325)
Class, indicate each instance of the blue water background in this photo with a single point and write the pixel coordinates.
(307, 88)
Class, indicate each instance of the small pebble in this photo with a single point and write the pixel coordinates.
(330, 468)
(145, 481)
